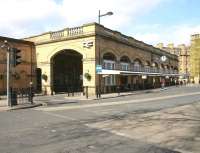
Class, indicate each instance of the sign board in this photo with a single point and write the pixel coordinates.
(88, 44)
(144, 77)
(167, 77)
(98, 68)
(163, 58)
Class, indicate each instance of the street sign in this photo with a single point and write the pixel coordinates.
(88, 44)
(163, 58)
(98, 68)
(144, 77)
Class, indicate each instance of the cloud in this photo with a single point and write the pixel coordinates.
(179, 34)
(21, 18)
(125, 11)
(18, 16)
(149, 38)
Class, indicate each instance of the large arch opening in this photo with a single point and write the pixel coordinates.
(66, 71)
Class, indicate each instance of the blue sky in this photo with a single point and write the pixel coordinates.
(173, 12)
(151, 21)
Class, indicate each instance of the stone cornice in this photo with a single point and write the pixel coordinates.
(99, 30)
(130, 41)
(158, 52)
(65, 39)
(16, 40)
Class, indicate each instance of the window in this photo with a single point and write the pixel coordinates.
(137, 66)
(147, 68)
(109, 65)
(124, 66)
(111, 79)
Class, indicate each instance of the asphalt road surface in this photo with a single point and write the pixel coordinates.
(66, 128)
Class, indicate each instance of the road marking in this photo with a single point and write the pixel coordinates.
(61, 116)
(114, 103)
(102, 112)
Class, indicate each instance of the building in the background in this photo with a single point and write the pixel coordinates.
(96, 58)
(195, 58)
(22, 74)
(183, 53)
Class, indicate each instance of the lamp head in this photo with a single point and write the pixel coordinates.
(109, 13)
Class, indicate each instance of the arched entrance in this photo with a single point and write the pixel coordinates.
(66, 71)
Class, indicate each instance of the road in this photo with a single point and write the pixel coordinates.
(103, 126)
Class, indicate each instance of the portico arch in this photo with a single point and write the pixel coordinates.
(57, 49)
(66, 71)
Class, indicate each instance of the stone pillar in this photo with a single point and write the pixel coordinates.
(46, 82)
(89, 68)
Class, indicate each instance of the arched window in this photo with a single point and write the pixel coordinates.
(109, 63)
(167, 69)
(162, 68)
(125, 63)
(137, 65)
(155, 67)
(147, 66)
(171, 69)
(175, 70)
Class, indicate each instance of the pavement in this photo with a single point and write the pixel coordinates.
(46, 100)
(20, 106)
(79, 99)
(60, 99)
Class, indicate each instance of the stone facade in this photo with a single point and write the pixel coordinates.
(125, 60)
(195, 58)
(22, 74)
(183, 53)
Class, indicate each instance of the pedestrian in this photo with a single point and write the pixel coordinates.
(175, 83)
(181, 82)
(163, 83)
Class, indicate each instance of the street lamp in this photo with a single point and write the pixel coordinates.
(101, 15)
(8, 48)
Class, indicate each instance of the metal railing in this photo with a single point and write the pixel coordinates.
(144, 69)
(19, 95)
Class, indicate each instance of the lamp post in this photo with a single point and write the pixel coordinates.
(101, 15)
(8, 48)
(99, 21)
(163, 59)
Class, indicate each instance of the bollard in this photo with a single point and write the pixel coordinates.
(97, 92)
(13, 98)
(30, 95)
(118, 90)
(86, 90)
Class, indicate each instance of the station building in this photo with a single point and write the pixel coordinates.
(96, 58)
(183, 53)
(23, 74)
(195, 58)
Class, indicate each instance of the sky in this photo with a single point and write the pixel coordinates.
(151, 21)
